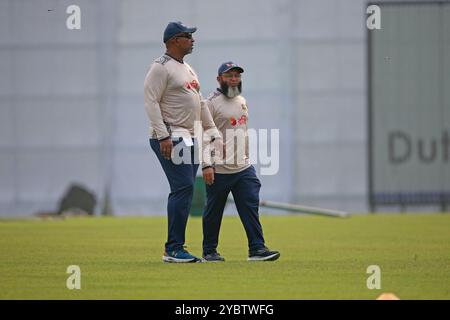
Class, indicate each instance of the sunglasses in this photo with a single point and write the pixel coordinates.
(184, 35)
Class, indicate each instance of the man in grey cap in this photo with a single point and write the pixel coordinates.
(174, 103)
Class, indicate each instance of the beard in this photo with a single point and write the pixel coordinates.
(231, 92)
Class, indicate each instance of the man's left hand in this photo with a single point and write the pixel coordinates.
(208, 175)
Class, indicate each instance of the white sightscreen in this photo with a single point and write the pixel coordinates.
(71, 101)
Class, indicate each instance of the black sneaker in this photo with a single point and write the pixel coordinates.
(263, 254)
(213, 257)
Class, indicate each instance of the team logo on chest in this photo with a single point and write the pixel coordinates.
(240, 121)
(192, 85)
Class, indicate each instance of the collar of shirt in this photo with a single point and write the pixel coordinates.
(180, 61)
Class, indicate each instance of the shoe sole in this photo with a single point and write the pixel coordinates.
(175, 260)
(204, 260)
(272, 257)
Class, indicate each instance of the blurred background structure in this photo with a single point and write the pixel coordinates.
(71, 101)
(409, 106)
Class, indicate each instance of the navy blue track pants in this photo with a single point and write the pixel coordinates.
(245, 187)
(181, 179)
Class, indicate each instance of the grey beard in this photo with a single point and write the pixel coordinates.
(231, 92)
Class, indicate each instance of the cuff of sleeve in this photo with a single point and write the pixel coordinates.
(162, 139)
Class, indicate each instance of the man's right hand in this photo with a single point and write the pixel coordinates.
(166, 148)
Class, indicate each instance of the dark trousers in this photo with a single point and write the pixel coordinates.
(245, 187)
(181, 179)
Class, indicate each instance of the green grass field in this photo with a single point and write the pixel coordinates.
(321, 258)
